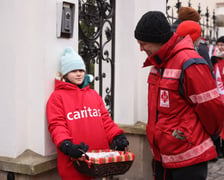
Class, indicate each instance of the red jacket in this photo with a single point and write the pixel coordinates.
(219, 74)
(180, 124)
(79, 115)
(220, 65)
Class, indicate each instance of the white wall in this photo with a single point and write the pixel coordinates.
(29, 61)
(220, 12)
(131, 79)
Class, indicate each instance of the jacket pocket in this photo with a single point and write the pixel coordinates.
(174, 140)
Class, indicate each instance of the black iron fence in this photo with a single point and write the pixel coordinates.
(207, 19)
(96, 45)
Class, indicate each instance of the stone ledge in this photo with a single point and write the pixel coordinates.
(139, 128)
(29, 163)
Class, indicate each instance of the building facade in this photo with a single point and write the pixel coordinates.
(30, 47)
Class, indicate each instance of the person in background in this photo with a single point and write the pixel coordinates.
(184, 106)
(218, 63)
(77, 118)
(189, 13)
(185, 13)
(191, 28)
(219, 50)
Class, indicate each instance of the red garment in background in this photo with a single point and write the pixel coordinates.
(219, 75)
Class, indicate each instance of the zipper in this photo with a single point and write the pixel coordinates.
(157, 115)
(161, 70)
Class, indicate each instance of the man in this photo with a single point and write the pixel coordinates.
(184, 107)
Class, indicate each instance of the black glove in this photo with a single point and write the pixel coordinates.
(120, 142)
(73, 150)
(214, 60)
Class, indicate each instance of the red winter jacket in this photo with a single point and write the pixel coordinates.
(181, 118)
(79, 115)
(220, 65)
(219, 74)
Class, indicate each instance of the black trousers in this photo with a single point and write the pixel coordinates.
(194, 172)
(219, 145)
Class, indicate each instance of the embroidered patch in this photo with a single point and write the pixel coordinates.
(164, 99)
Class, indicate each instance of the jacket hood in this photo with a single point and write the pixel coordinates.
(168, 50)
(65, 85)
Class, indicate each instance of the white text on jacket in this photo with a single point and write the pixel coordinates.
(84, 113)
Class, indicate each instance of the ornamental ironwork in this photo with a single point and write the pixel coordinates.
(207, 20)
(96, 45)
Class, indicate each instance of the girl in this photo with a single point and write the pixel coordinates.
(77, 118)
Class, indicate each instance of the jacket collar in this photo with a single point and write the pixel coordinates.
(68, 86)
(160, 57)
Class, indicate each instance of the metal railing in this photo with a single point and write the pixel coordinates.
(96, 45)
(207, 19)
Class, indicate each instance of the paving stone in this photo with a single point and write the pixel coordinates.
(216, 170)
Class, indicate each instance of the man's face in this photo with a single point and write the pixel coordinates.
(149, 48)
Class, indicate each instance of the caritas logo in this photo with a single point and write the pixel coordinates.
(84, 113)
(164, 98)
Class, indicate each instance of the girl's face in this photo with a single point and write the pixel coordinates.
(76, 77)
(220, 46)
(149, 48)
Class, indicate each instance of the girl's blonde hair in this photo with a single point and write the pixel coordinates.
(59, 76)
